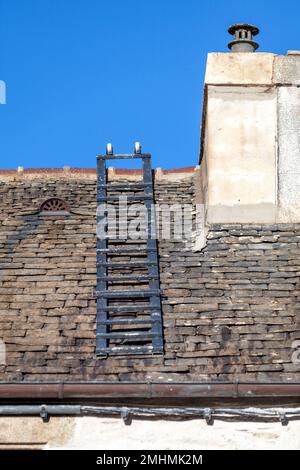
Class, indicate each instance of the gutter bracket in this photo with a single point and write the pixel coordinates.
(207, 415)
(283, 418)
(61, 390)
(236, 388)
(149, 389)
(44, 414)
(125, 415)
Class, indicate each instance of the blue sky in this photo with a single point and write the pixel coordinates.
(81, 73)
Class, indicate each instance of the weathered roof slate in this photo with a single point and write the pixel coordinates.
(230, 312)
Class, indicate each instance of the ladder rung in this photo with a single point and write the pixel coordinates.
(118, 210)
(132, 321)
(127, 294)
(123, 156)
(128, 265)
(127, 335)
(119, 239)
(137, 197)
(127, 350)
(124, 250)
(126, 278)
(113, 239)
(121, 186)
(130, 241)
(130, 308)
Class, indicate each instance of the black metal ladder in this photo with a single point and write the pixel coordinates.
(136, 326)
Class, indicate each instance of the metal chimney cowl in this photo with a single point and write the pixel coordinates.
(243, 37)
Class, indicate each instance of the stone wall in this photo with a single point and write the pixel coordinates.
(230, 311)
(98, 433)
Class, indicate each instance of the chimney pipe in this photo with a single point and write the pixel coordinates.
(243, 37)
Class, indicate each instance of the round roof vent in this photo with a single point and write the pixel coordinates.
(55, 205)
(243, 37)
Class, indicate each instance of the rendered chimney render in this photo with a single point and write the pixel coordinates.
(145, 305)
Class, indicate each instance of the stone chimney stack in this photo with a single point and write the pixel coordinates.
(250, 146)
